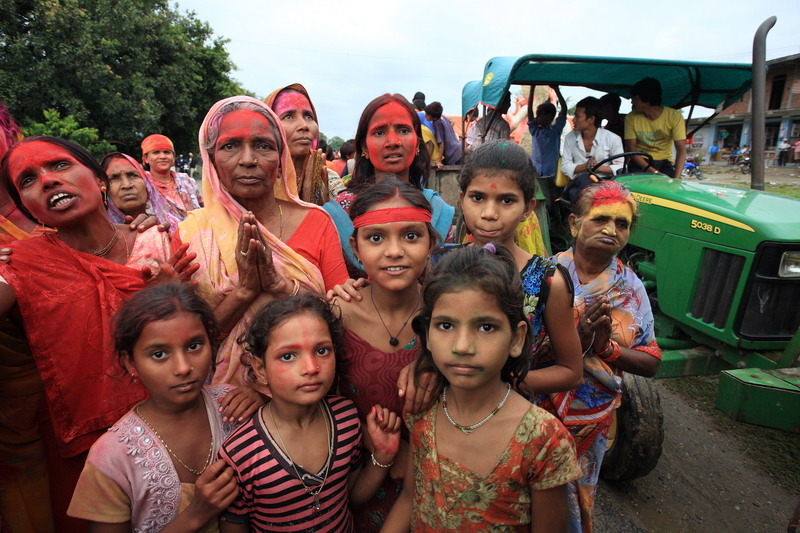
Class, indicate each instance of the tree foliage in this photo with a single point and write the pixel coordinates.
(68, 128)
(128, 68)
(335, 142)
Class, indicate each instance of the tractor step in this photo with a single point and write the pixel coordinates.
(769, 398)
(696, 361)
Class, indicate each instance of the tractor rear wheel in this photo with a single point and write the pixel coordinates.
(634, 441)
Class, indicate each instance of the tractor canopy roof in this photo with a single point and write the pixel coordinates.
(683, 83)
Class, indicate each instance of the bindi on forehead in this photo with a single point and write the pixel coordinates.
(290, 101)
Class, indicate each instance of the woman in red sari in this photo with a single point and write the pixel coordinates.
(65, 286)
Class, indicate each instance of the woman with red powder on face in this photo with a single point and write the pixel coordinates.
(255, 240)
(315, 182)
(388, 144)
(65, 285)
(180, 190)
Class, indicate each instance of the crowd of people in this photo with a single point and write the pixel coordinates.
(302, 345)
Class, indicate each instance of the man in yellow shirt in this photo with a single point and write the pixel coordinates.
(654, 129)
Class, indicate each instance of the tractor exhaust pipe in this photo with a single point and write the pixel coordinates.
(759, 103)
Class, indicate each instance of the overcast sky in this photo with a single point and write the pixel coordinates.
(348, 52)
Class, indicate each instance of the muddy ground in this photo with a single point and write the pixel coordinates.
(703, 482)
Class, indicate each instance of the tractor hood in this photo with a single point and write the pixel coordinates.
(741, 218)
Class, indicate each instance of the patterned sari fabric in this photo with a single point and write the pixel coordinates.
(450, 497)
(157, 205)
(315, 174)
(212, 233)
(587, 409)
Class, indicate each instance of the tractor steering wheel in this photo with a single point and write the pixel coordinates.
(647, 156)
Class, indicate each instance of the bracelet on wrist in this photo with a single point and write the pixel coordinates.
(611, 353)
(376, 463)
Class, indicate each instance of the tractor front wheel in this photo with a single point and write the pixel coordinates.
(635, 438)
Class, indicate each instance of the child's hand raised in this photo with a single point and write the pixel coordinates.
(240, 404)
(383, 427)
(215, 490)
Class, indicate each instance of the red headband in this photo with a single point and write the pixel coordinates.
(392, 214)
(156, 142)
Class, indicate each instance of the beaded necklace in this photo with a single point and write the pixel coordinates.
(469, 429)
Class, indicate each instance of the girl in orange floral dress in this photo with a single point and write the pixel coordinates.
(483, 457)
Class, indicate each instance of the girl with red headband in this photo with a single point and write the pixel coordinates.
(392, 238)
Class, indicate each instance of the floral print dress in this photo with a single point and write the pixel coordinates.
(450, 497)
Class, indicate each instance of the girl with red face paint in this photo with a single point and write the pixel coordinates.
(392, 238)
(299, 460)
(78, 274)
(315, 183)
(388, 144)
(256, 240)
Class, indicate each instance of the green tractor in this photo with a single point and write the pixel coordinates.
(721, 265)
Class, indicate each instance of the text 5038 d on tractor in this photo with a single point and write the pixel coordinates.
(721, 265)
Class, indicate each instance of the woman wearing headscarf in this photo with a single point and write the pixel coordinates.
(255, 240)
(131, 193)
(178, 189)
(315, 182)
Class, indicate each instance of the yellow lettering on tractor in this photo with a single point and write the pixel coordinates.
(705, 226)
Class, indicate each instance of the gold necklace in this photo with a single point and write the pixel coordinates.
(308, 490)
(187, 467)
(102, 252)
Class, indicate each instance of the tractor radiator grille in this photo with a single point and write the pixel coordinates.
(716, 287)
(771, 311)
(771, 308)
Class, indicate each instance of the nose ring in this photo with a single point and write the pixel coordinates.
(497, 216)
(402, 253)
(255, 161)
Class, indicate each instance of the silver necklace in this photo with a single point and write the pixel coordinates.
(469, 429)
(309, 491)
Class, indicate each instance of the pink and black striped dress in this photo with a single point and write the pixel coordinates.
(272, 498)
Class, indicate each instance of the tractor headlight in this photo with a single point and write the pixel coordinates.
(790, 265)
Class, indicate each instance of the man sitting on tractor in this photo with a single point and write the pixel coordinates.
(654, 129)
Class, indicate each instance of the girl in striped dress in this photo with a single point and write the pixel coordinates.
(299, 461)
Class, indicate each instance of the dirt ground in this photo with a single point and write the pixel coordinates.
(703, 482)
(788, 176)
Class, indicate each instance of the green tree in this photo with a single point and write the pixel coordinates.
(125, 67)
(68, 128)
(335, 142)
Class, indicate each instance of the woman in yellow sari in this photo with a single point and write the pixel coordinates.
(255, 240)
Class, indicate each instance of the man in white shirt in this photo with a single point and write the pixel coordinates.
(588, 144)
